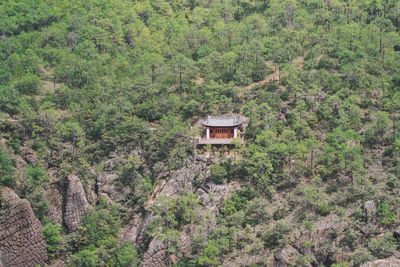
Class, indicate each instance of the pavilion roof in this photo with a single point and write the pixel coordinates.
(222, 121)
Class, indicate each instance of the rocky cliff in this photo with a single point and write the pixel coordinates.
(21, 239)
(76, 203)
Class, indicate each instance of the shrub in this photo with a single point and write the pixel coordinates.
(277, 237)
(237, 201)
(54, 240)
(209, 256)
(29, 84)
(39, 203)
(6, 169)
(96, 241)
(35, 177)
(218, 173)
(35, 183)
(303, 260)
(350, 237)
(125, 255)
(386, 216)
(212, 250)
(361, 256)
(87, 257)
(383, 247)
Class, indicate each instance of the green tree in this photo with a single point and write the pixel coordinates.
(29, 84)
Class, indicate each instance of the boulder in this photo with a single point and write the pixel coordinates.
(203, 197)
(76, 204)
(21, 239)
(370, 210)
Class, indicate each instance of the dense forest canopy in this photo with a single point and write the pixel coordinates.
(319, 81)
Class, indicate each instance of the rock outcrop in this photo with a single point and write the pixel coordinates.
(389, 262)
(180, 182)
(325, 239)
(156, 255)
(76, 204)
(21, 239)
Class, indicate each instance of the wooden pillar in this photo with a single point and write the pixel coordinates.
(235, 132)
(207, 133)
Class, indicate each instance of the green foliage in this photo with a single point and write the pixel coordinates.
(10, 100)
(125, 255)
(96, 242)
(87, 257)
(218, 244)
(100, 226)
(303, 260)
(54, 239)
(342, 154)
(29, 84)
(173, 213)
(36, 182)
(218, 173)
(386, 216)
(383, 247)
(315, 200)
(361, 256)
(140, 185)
(210, 254)
(6, 170)
(35, 177)
(377, 130)
(278, 236)
(237, 201)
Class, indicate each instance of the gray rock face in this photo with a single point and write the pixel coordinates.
(133, 228)
(76, 204)
(203, 197)
(174, 184)
(156, 255)
(389, 262)
(106, 185)
(21, 240)
(370, 210)
(325, 248)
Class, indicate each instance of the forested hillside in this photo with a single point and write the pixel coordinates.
(98, 157)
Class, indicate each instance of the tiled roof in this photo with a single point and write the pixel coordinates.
(222, 121)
